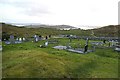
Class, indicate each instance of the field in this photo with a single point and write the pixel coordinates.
(28, 60)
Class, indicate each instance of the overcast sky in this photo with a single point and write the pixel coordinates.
(68, 12)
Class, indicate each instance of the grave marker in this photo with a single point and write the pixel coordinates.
(17, 39)
(20, 39)
(12, 40)
(46, 43)
(104, 41)
(24, 39)
(36, 38)
(46, 37)
(85, 48)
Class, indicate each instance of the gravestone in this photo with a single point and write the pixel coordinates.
(70, 38)
(117, 48)
(46, 37)
(49, 36)
(46, 43)
(85, 48)
(24, 39)
(36, 38)
(7, 42)
(20, 39)
(17, 39)
(40, 37)
(104, 41)
(12, 40)
(4, 39)
(113, 43)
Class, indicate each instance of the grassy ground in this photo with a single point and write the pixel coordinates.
(28, 60)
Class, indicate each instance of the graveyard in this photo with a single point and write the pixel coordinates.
(27, 59)
(59, 56)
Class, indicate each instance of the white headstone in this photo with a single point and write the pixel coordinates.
(35, 36)
(36, 39)
(20, 39)
(17, 39)
(46, 43)
(23, 39)
(113, 43)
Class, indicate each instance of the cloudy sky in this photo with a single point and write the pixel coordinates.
(69, 12)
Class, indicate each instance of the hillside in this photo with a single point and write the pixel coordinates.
(107, 31)
(111, 30)
(8, 29)
(22, 31)
(50, 26)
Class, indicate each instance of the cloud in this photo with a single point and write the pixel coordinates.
(27, 7)
(70, 12)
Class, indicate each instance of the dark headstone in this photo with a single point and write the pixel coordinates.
(104, 41)
(49, 36)
(46, 37)
(85, 48)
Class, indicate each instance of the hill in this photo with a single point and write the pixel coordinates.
(110, 30)
(38, 25)
(8, 29)
(50, 26)
(106, 31)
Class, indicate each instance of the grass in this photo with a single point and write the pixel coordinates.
(28, 60)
